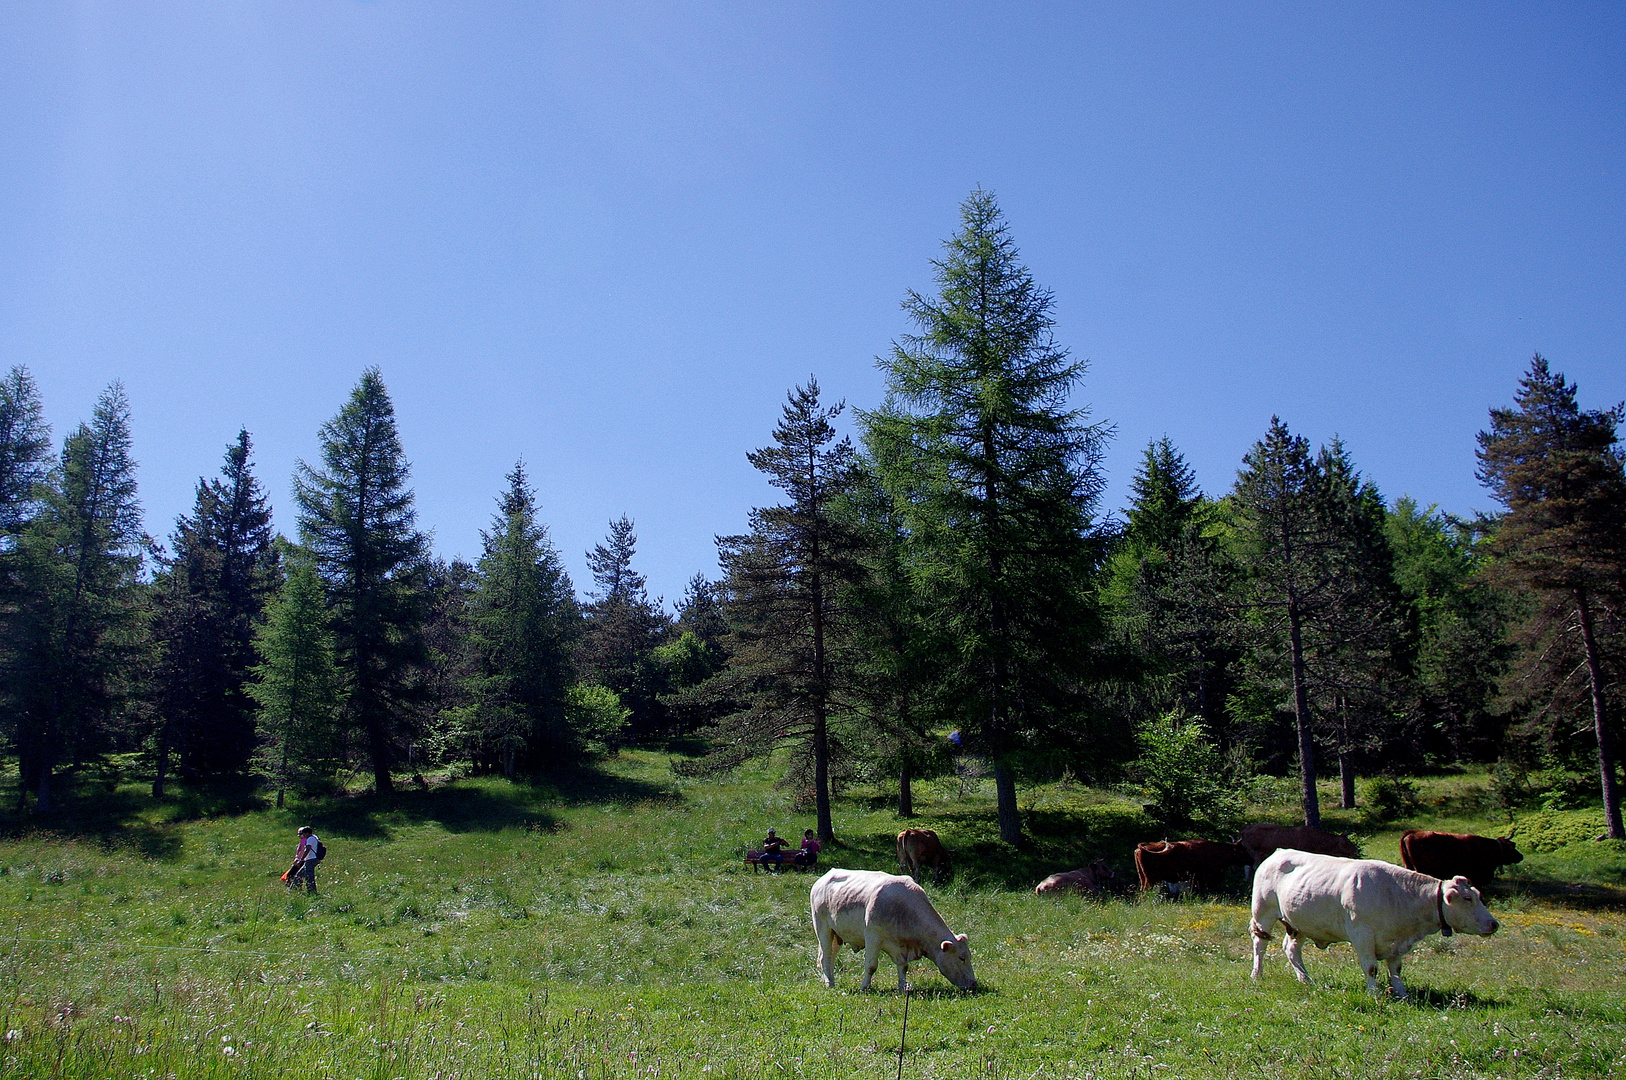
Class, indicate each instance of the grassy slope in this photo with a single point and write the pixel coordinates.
(608, 930)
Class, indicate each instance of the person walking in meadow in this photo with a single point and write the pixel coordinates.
(306, 856)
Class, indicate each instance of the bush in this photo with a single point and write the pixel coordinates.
(1185, 777)
(596, 715)
(1549, 830)
(1388, 798)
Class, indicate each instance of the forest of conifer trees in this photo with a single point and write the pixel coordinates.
(951, 570)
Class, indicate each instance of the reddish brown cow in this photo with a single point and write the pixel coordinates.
(1200, 862)
(1261, 840)
(920, 848)
(1445, 855)
(1091, 878)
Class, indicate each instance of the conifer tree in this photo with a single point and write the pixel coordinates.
(297, 682)
(77, 627)
(25, 452)
(1168, 588)
(208, 599)
(1558, 470)
(356, 517)
(623, 628)
(782, 584)
(997, 488)
(522, 626)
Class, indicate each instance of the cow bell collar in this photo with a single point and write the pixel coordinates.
(1439, 906)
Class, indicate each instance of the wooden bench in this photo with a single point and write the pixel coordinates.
(793, 860)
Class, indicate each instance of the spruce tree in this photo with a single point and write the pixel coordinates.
(997, 487)
(782, 581)
(297, 681)
(77, 628)
(208, 599)
(622, 629)
(1169, 592)
(356, 517)
(523, 624)
(1558, 470)
(25, 453)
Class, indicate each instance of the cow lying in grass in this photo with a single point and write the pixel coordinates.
(882, 913)
(1088, 879)
(1381, 909)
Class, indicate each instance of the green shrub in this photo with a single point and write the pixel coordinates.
(1184, 776)
(1388, 798)
(1549, 830)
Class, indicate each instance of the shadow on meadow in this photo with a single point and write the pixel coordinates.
(1058, 839)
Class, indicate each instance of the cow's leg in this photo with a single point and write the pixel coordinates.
(1261, 925)
(872, 958)
(1396, 987)
(828, 944)
(903, 976)
(1366, 955)
(1293, 946)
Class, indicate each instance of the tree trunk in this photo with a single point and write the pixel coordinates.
(1010, 819)
(1600, 721)
(1301, 713)
(1346, 777)
(163, 762)
(821, 733)
(906, 792)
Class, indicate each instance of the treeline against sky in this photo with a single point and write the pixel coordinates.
(951, 572)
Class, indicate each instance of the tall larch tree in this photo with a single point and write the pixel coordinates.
(208, 599)
(1557, 468)
(78, 627)
(356, 517)
(997, 487)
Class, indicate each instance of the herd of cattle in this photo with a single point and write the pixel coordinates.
(1312, 882)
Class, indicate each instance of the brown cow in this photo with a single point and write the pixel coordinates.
(1199, 862)
(1261, 840)
(920, 848)
(1445, 855)
(1091, 878)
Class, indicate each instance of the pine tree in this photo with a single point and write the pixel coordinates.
(77, 626)
(356, 517)
(623, 628)
(1558, 470)
(209, 598)
(25, 453)
(1292, 560)
(297, 682)
(782, 584)
(997, 488)
(523, 624)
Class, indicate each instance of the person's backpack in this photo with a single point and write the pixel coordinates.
(321, 851)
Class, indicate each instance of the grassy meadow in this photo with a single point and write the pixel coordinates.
(607, 928)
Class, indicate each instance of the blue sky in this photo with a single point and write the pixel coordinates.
(609, 237)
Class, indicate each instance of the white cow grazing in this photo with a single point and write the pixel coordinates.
(884, 913)
(1381, 909)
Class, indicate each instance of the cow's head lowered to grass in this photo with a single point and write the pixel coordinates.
(954, 961)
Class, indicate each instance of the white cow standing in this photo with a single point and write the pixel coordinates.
(1381, 909)
(884, 913)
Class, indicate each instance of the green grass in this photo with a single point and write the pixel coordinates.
(607, 928)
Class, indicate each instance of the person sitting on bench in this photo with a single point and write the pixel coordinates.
(810, 849)
(773, 850)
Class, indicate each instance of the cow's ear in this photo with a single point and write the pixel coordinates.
(947, 946)
(960, 938)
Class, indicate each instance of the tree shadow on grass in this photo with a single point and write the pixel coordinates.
(468, 808)
(110, 817)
